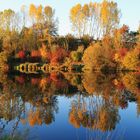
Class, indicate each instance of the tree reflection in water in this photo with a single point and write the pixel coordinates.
(96, 99)
(93, 112)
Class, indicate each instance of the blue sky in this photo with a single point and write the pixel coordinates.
(130, 10)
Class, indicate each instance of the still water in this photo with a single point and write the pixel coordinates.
(70, 106)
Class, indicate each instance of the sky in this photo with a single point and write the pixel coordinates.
(130, 10)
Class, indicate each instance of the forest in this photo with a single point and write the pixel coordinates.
(99, 42)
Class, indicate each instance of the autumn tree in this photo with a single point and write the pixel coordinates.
(131, 82)
(43, 20)
(32, 13)
(9, 21)
(95, 19)
(85, 19)
(90, 54)
(109, 16)
(98, 56)
(132, 59)
(124, 38)
(9, 36)
(120, 37)
(9, 30)
(76, 18)
(6, 18)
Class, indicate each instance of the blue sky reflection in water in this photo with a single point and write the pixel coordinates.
(128, 127)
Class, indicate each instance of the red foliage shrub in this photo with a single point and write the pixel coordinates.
(21, 54)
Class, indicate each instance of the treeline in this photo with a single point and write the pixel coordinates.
(99, 44)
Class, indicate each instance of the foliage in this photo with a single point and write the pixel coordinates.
(54, 55)
(97, 56)
(94, 19)
(9, 20)
(115, 49)
(43, 20)
(131, 82)
(123, 38)
(109, 16)
(132, 59)
(101, 116)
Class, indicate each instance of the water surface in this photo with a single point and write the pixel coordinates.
(70, 106)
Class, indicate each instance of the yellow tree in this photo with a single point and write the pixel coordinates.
(120, 37)
(43, 20)
(76, 17)
(90, 54)
(6, 19)
(110, 16)
(85, 19)
(36, 13)
(94, 57)
(132, 59)
(99, 56)
(95, 19)
(32, 12)
(39, 14)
